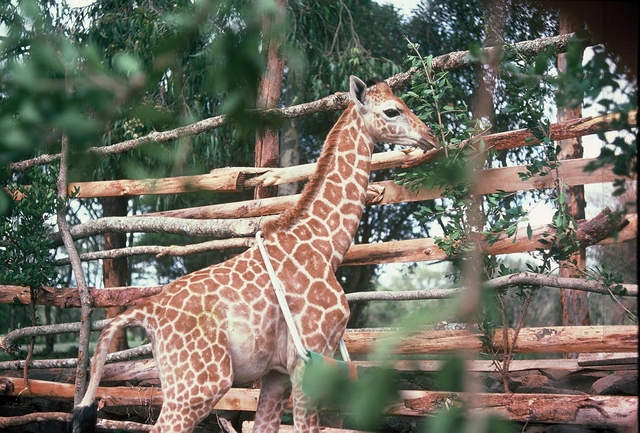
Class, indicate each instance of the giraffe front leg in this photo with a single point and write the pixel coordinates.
(306, 416)
(275, 388)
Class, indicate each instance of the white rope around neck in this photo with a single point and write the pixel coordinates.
(288, 318)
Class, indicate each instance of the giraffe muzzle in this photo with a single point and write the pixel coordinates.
(428, 141)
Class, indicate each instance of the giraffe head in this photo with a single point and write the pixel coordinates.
(387, 117)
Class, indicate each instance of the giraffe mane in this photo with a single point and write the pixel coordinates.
(311, 189)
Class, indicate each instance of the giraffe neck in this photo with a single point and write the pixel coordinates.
(331, 204)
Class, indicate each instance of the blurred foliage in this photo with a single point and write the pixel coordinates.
(363, 399)
(618, 93)
(412, 277)
(118, 70)
(524, 87)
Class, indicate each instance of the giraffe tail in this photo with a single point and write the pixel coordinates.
(85, 415)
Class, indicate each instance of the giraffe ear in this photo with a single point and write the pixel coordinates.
(357, 90)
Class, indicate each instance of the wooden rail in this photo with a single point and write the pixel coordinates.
(590, 410)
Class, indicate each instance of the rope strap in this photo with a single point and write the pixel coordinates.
(344, 352)
(288, 318)
(277, 287)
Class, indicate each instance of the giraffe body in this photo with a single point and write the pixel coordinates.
(223, 323)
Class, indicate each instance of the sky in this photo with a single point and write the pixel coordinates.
(405, 6)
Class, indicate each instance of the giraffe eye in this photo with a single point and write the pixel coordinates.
(391, 112)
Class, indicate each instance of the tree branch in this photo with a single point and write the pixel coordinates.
(593, 410)
(127, 296)
(216, 228)
(162, 251)
(337, 101)
(242, 178)
(76, 265)
(534, 279)
(463, 59)
(66, 417)
(9, 342)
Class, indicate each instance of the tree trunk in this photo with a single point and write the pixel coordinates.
(290, 146)
(115, 271)
(574, 305)
(267, 141)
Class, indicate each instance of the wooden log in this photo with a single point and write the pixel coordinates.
(608, 360)
(418, 250)
(589, 410)
(414, 250)
(247, 427)
(541, 408)
(569, 366)
(555, 339)
(559, 131)
(68, 297)
(34, 417)
(228, 179)
(235, 399)
(39, 417)
(163, 251)
(395, 251)
(128, 296)
(489, 181)
(224, 228)
(243, 218)
(507, 179)
(239, 178)
(143, 372)
(552, 339)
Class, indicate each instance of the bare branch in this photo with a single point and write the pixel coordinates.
(66, 417)
(593, 410)
(215, 228)
(120, 296)
(337, 101)
(162, 251)
(123, 355)
(534, 279)
(12, 421)
(242, 178)
(85, 299)
(9, 343)
(462, 59)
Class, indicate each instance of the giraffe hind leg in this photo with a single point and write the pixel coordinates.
(188, 402)
(183, 416)
(195, 373)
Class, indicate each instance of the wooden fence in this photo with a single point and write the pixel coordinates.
(540, 398)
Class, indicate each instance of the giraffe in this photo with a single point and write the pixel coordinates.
(223, 323)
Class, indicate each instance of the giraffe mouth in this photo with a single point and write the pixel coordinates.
(428, 142)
